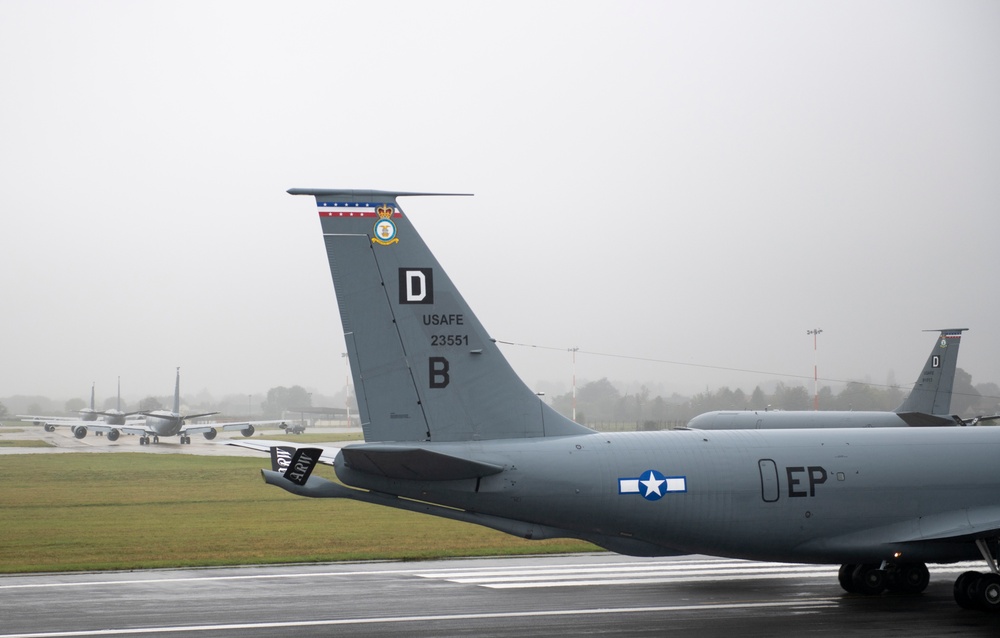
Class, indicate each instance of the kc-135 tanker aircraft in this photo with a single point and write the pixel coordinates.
(151, 425)
(928, 404)
(450, 430)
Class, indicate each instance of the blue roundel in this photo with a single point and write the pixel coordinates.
(385, 230)
(652, 485)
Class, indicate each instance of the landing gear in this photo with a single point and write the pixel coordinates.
(868, 579)
(871, 579)
(185, 439)
(145, 440)
(907, 578)
(975, 590)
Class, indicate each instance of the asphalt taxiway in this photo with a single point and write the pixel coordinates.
(574, 595)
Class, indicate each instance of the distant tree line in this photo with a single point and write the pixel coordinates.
(601, 402)
(278, 401)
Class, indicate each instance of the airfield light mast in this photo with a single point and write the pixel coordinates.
(814, 334)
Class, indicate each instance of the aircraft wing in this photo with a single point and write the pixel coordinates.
(93, 426)
(41, 420)
(247, 428)
(327, 457)
(960, 525)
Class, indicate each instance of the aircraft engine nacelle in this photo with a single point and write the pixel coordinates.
(247, 431)
(80, 432)
(49, 427)
(211, 434)
(113, 434)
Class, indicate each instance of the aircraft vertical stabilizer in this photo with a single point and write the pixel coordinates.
(932, 392)
(424, 368)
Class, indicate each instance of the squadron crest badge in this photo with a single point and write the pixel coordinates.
(385, 228)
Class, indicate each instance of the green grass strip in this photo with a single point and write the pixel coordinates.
(65, 512)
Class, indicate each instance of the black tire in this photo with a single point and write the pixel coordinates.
(846, 578)
(962, 588)
(868, 579)
(985, 592)
(911, 578)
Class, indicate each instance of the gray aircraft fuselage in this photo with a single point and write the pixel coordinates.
(775, 419)
(807, 495)
(164, 423)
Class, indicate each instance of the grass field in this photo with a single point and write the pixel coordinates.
(64, 512)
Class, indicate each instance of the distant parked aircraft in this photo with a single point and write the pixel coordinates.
(153, 424)
(99, 422)
(928, 404)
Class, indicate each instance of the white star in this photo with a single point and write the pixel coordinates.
(653, 485)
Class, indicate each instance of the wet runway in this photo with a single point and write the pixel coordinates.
(575, 595)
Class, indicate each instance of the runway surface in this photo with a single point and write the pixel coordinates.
(576, 595)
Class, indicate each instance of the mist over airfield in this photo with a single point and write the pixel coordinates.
(686, 187)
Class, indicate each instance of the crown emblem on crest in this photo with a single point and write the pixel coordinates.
(384, 211)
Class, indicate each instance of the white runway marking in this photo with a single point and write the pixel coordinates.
(138, 631)
(696, 571)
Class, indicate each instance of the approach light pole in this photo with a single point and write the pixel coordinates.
(574, 350)
(815, 333)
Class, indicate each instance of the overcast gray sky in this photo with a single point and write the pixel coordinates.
(692, 182)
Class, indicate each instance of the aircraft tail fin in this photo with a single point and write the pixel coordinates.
(177, 392)
(932, 392)
(424, 367)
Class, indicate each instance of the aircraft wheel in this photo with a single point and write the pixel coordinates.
(868, 579)
(156, 440)
(985, 592)
(963, 589)
(909, 578)
(846, 577)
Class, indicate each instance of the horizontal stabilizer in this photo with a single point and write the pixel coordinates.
(922, 419)
(414, 463)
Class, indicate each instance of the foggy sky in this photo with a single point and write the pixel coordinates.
(695, 183)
